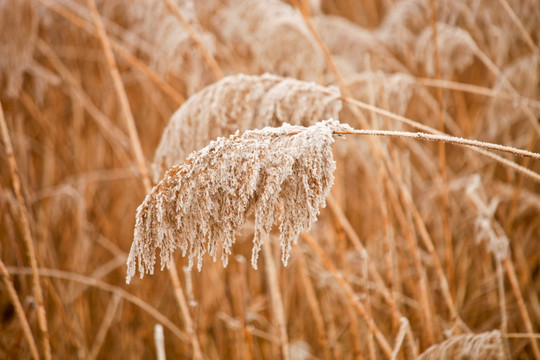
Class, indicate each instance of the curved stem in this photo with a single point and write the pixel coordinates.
(444, 138)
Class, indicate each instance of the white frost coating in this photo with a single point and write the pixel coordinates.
(276, 174)
(241, 102)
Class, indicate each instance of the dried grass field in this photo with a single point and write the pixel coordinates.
(173, 186)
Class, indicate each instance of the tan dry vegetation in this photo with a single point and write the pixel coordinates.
(423, 250)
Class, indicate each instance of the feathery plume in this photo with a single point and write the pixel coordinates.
(241, 102)
(272, 35)
(487, 345)
(174, 49)
(456, 48)
(349, 43)
(274, 174)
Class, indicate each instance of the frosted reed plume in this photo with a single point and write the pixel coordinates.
(272, 36)
(241, 102)
(174, 49)
(274, 174)
(487, 345)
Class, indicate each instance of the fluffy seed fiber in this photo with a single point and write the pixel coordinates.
(241, 102)
(487, 345)
(274, 174)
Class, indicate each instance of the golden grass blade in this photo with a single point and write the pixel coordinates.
(27, 237)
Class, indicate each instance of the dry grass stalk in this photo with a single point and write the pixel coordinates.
(313, 304)
(508, 163)
(108, 319)
(121, 93)
(241, 102)
(88, 281)
(12, 293)
(349, 293)
(204, 202)
(442, 148)
(405, 334)
(276, 299)
(492, 233)
(27, 236)
(328, 58)
(139, 157)
(488, 345)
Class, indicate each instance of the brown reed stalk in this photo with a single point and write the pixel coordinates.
(510, 164)
(276, 299)
(442, 154)
(367, 300)
(216, 70)
(313, 303)
(139, 157)
(425, 310)
(12, 293)
(524, 33)
(405, 334)
(446, 139)
(239, 289)
(349, 293)
(121, 94)
(502, 296)
(360, 248)
(302, 7)
(479, 90)
(81, 279)
(512, 277)
(27, 237)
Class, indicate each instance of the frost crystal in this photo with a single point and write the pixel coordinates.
(273, 174)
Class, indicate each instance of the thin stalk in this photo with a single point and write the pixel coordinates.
(81, 279)
(519, 24)
(444, 138)
(353, 237)
(502, 297)
(139, 157)
(12, 293)
(276, 299)
(27, 237)
(442, 155)
(371, 345)
(478, 90)
(313, 303)
(121, 94)
(349, 293)
(108, 318)
(510, 164)
(119, 49)
(304, 10)
(404, 333)
(512, 277)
